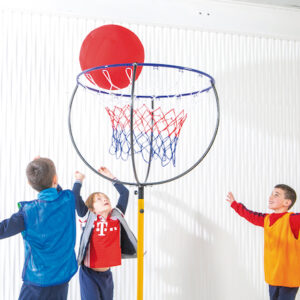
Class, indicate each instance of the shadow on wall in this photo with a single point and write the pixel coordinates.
(203, 266)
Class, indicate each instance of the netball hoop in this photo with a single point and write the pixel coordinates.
(147, 120)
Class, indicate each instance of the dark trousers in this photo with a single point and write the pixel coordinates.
(95, 285)
(55, 292)
(282, 292)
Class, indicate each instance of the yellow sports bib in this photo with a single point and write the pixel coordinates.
(281, 253)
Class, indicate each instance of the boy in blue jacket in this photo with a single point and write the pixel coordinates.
(48, 228)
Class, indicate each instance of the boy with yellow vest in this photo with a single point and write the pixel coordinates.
(281, 241)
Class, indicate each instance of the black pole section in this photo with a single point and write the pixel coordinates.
(131, 125)
(141, 192)
(151, 142)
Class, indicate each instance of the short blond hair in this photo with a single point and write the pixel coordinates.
(91, 199)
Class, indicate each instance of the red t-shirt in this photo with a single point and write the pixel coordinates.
(104, 249)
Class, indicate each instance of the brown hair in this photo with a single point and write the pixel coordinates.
(91, 198)
(40, 173)
(289, 193)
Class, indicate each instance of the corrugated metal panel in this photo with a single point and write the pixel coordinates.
(197, 248)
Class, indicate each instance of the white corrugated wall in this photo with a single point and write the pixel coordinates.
(197, 247)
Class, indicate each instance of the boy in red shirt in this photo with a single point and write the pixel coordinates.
(106, 238)
(281, 241)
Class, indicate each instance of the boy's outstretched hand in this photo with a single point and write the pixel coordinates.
(104, 171)
(230, 198)
(79, 176)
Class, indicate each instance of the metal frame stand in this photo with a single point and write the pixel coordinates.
(141, 185)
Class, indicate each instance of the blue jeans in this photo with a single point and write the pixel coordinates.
(95, 285)
(282, 292)
(32, 292)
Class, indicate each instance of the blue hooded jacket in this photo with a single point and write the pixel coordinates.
(49, 238)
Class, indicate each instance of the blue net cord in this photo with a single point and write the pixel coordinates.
(163, 148)
(162, 129)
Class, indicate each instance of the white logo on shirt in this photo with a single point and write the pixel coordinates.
(101, 227)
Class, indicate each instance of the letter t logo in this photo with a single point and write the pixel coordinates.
(100, 228)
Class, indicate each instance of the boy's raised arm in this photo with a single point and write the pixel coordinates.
(230, 198)
(122, 190)
(253, 217)
(123, 198)
(81, 208)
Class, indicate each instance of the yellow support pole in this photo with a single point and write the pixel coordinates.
(140, 244)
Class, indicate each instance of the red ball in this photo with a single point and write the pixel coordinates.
(108, 45)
